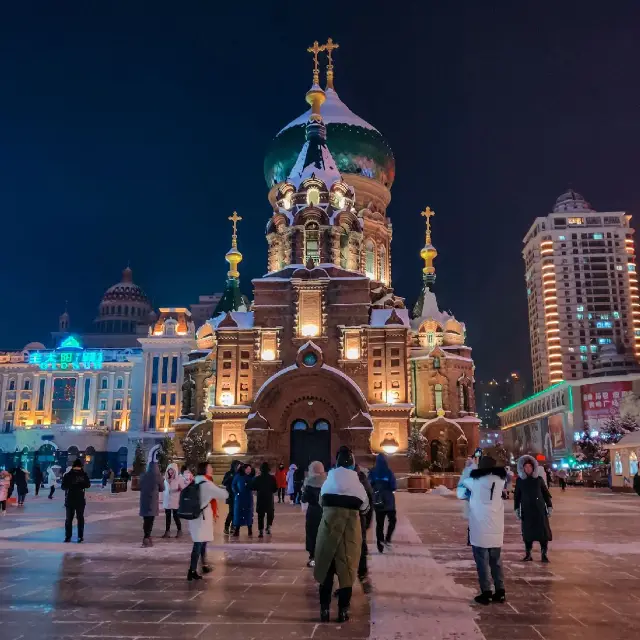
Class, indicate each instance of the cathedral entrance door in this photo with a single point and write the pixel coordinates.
(310, 442)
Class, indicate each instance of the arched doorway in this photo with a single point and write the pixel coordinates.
(89, 461)
(45, 457)
(123, 454)
(310, 442)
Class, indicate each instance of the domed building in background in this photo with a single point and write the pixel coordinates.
(328, 354)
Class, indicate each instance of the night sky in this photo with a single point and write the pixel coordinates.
(131, 130)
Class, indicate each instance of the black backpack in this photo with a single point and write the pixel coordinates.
(189, 507)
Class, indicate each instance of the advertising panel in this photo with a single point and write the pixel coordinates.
(601, 400)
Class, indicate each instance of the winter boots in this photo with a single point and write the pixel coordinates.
(484, 598)
(324, 615)
(147, 542)
(527, 557)
(499, 596)
(545, 557)
(193, 575)
(343, 615)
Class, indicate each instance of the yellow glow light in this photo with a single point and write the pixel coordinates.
(310, 330)
(226, 399)
(353, 353)
(268, 354)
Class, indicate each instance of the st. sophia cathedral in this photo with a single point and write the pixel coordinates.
(327, 353)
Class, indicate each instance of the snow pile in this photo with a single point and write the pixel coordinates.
(441, 490)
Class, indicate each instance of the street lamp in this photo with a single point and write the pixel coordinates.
(231, 446)
(389, 444)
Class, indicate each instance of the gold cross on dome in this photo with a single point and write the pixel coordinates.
(235, 218)
(428, 213)
(316, 49)
(329, 47)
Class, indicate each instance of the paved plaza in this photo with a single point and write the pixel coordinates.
(109, 587)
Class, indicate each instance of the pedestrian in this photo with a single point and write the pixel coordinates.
(464, 494)
(227, 481)
(339, 540)
(105, 477)
(533, 506)
(281, 482)
(562, 479)
(365, 523)
(151, 484)
(173, 485)
(38, 478)
(311, 497)
(201, 528)
(383, 483)
(5, 483)
(548, 474)
(75, 483)
(20, 477)
(265, 487)
(508, 483)
(243, 500)
(636, 482)
(298, 481)
(186, 474)
(290, 483)
(483, 490)
(124, 474)
(51, 481)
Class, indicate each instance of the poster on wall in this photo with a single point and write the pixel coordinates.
(599, 401)
(556, 432)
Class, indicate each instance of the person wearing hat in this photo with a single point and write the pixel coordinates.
(483, 489)
(339, 539)
(74, 484)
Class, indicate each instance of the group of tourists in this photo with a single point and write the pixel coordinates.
(481, 485)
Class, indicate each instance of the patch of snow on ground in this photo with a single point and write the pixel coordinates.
(441, 490)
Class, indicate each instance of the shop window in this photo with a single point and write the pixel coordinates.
(633, 463)
(617, 465)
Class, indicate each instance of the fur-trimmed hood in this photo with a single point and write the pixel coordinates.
(501, 472)
(521, 462)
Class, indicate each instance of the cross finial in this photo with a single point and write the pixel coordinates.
(428, 213)
(316, 49)
(329, 48)
(235, 218)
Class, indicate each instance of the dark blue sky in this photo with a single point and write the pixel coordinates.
(131, 130)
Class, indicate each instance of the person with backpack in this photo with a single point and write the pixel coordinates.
(151, 484)
(173, 485)
(311, 497)
(281, 482)
(195, 507)
(227, 481)
(74, 483)
(383, 484)
(243, 500)
(265, 487)
(339, 540)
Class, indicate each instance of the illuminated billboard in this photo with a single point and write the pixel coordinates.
(69, 356)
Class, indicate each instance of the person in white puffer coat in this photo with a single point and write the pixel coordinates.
(486, 526)
(173, 485)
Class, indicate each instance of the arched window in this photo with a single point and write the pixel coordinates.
(119, 309)
(25, 406)
(12, 385)
(10, 406)
(104, 383)
(437, 390)
(382, 264)
(313, 196)
(118, 405)
(312, 243)
(633, 463)
(344, 249)
(436, 362)
(299, 425)
(617, 465)
(369, 259)
(321, 425)
(119, 383)
(27, 384)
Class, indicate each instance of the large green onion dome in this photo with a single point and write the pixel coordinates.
(356, 146)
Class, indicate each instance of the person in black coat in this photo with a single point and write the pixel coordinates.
(636, 482)
(298, 481)
(383, 483)
(365, 523)
(533, 506)
(38, 478)
(74, 483)
(311, 497)
(19, 477)
(265, 486)
(227, 481)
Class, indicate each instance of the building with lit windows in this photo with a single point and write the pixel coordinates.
(582, 289)
(327, 353)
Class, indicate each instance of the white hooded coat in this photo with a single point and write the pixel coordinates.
(290, 473)
(172, 488)
(201, 529)
(51, 477)
(486, 507)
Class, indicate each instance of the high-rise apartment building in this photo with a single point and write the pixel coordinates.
(582, 289)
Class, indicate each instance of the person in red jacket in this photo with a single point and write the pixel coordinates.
(281, 482)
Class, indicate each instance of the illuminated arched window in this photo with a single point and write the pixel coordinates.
(344, 249)
(382, 265)
(12, 385)
(312, 243)
(617, 465)
(437, 390)
(369, 259)
(633, 463)
(313, 196)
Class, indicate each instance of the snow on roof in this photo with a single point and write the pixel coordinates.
(630, 440)
(380, 316)
(468, 419)
(430, 309)
(244, 320)
(333, 110)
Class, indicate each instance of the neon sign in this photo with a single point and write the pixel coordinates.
(68, 356)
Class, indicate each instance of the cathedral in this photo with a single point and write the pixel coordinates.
(327, 353)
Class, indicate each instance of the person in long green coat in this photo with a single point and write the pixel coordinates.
(339, 540)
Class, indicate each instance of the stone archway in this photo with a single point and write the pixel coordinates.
(447, 443)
